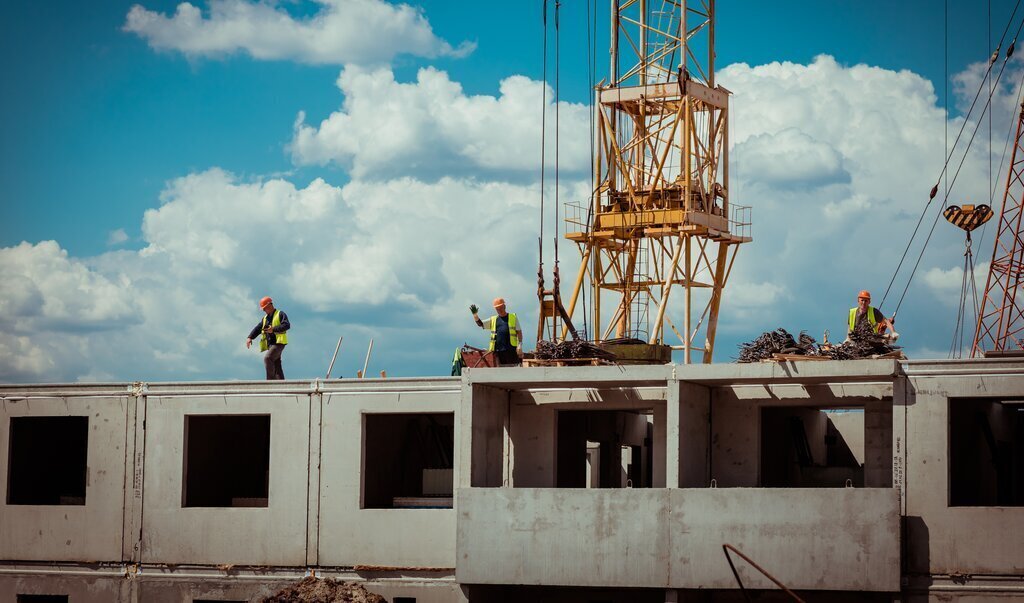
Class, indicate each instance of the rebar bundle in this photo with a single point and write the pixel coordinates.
(778, 341)
(547, 350)
(862, 343)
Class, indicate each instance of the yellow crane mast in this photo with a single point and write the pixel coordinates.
(660, 217)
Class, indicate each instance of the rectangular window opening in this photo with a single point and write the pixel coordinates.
(404, 600)
(42, 599)
(227, 461)
(408, 460)
(811, 448)
(47, 460)
(604, 449)
(986, 452)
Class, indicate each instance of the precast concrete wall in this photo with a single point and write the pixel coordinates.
(271, 535)
(70, 532)
(810, 539)
(350, 535)
(953, 549)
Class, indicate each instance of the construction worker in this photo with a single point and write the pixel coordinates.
(865, 311)
(274, 328)
(506, 335)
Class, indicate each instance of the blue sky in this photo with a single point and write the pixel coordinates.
(98, 125)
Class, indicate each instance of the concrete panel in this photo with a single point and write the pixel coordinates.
(846, 371)
(878, 451)
(533, 435)
(810, 539)
(814, 539)
(272, 535)
(695, 431)
(850, 426)
(943, 539)
(486, 417)
(351, 536)
(95, 587)
(89, 532)
(568, 537)
(735, 442)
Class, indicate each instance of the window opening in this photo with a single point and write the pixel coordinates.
(603, 449)
(811, 448)
(47, 460)
(408, 460)
(227, 461)
(986, 452)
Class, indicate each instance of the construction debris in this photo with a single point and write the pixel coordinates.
(578, 348)
(862, 343)
(324, 590)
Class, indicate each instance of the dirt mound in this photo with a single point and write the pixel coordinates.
(324, 590)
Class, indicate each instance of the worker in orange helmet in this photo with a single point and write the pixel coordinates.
(506, 335)
(274, 328)
(874, 317)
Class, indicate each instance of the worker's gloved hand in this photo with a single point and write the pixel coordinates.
(248, 343)
(519, 351)
(473, 309)
(894, 336)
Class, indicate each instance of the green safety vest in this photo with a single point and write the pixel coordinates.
(513, 337)
(871, 319)
(282, 337)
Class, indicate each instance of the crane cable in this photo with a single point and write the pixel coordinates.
(968, 284)
(591, 69)
(543, 142)
(934, 191)
(557, 100)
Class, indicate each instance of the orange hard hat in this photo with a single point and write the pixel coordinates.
(498, 302)
(266, 301)
(865, 294)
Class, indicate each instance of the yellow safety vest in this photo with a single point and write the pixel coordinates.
(282, 337)
(871, 319)
(513, 337)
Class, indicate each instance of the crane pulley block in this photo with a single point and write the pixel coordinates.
(968, 217)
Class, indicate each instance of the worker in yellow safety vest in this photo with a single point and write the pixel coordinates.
(874, 317)
(274, 328)
(506, 335)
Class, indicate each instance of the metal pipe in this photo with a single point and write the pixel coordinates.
(333, 358)
(366, 363)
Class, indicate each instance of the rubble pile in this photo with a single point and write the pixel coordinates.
(324, 590)
(862, 343)
(547, 350)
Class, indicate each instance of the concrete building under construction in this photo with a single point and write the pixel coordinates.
(846, 480)
(866, 480)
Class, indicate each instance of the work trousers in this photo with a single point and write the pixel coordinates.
(272, 360)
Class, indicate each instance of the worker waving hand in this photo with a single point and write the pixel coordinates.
(506, 335)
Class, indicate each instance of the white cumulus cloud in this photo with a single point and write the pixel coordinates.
(440, 211)
(431, 127)
(342, 31)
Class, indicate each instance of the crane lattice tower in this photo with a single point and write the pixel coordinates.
(1001, 319)
(660, 217)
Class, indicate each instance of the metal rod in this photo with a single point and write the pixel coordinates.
(728, 547)
(366, 363)
(333, 358)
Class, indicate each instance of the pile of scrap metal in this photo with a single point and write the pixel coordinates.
(862, 343)
(564, 350)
